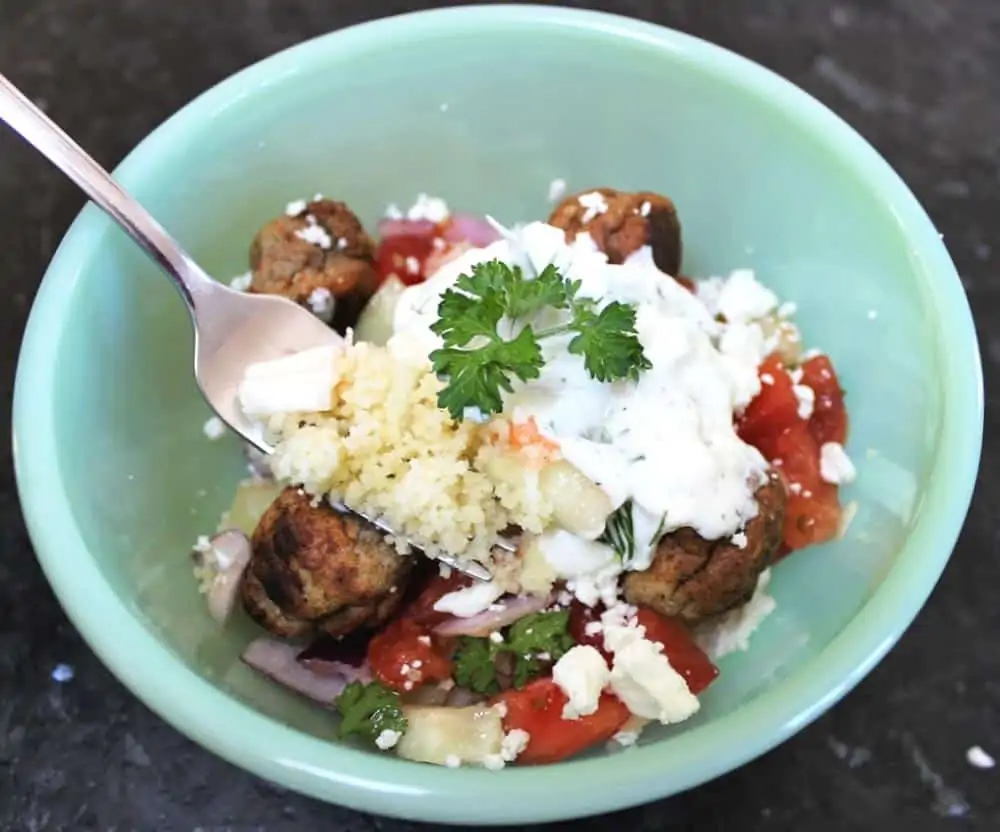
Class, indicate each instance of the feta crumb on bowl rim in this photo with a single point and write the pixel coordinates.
(132, 649)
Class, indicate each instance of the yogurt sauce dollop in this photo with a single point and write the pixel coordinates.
(666, 442)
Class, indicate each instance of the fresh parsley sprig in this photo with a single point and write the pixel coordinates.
(367, 710)
(479, 364)
(535, 641)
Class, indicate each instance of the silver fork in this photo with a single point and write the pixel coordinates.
(232, 329)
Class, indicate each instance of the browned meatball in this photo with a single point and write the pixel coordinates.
(693, 578)
(629, 222)
(314, 570)
(338, 255)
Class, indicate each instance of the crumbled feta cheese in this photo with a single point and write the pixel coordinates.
(557, 189)
(979, 758)
(203, 544)
(626, 738)
(513, 743)
(314, 234)
(766, 378)
(214, 428)
(593, 628)
(299, 383)
(643, 678)
(392, 212)
(342, 243)
(321, 303)
(412, 265)
(241, 282)
(494, 762)
(807, 399)
(731, 632)
(500, 708)
(470, 600)
(496, 637)
(645, 209)
(425, 640)
(388, 739)
(835, 465)
(581, 674)
(296, 207)
(595, 203)
(62, 673)
(743, 299)
(453, 761)
(428, 208)
(739, 540)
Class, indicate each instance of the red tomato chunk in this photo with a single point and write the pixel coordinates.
(404, 656)
(685, 656)
(537, 709)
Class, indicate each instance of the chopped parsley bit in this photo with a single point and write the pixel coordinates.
(473, 665)
(368, 710)
(480, 365)
(535, 639)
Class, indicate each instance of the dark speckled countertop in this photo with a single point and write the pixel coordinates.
(919, 78)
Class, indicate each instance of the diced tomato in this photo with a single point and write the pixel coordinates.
(537, 708)
(421, 609)
(828, 422)
(685, 656)
(775, 408)
(811, 517)
(812, 514)
(404, 656)
(795, 453)
(403, 256)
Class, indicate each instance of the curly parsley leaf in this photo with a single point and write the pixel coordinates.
(368, 710)
(536, 640)
(479, 364)
(608, 342)
(478, 377)
(474, 666)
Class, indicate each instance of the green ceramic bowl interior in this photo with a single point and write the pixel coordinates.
(484, 106)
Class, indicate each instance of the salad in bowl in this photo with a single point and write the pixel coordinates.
(624, 450)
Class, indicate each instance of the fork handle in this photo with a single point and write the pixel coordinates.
(38, 130)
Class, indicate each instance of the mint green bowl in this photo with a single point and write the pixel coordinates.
(485, 106)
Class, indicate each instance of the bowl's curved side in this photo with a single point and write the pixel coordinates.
(387, 786)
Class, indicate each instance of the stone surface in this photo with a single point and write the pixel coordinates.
(919, 78)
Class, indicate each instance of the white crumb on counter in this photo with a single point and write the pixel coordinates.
(295, 207)
(979, 758)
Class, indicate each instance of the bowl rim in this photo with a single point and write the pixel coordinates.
(393, 787)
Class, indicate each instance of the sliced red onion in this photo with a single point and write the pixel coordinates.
(470, 228)
(279, 662)
(405, 228)
(502, 614)
(231, 550)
